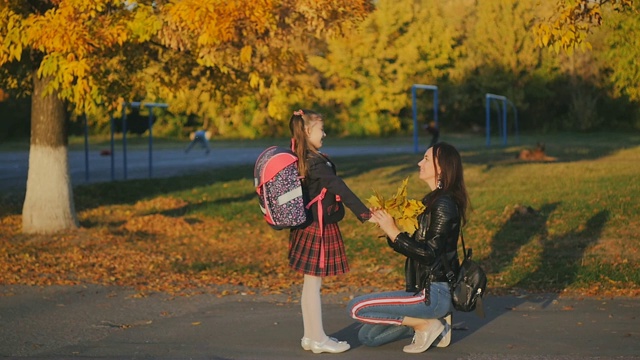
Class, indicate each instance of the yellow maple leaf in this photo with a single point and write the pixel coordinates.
(401, 194)
(404, 211)
(375, 200)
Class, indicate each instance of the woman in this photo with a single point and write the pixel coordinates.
(424, 307)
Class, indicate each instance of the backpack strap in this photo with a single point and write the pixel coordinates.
(464, 249)
(447, 266)
(318, 200)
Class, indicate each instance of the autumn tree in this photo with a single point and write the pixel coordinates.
(499, 54)
(622, 54)
(82, 55)
(569, 25)
(606, 28)
(47, 49)
(369, 72)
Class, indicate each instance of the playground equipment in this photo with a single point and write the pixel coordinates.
(137, 105)
(415, 110)
(502, 115)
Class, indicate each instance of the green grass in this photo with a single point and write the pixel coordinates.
(582, 235)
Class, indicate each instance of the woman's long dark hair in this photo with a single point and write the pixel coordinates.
(299, 122)
(450, 178)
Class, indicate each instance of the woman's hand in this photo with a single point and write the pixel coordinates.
(386, 223)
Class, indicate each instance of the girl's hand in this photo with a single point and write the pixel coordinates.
(381, 217)
(371, 210)
(386, 223)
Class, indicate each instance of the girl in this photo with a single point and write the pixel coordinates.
(426, 301)
(317, 249)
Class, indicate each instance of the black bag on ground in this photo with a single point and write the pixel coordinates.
(470, 284)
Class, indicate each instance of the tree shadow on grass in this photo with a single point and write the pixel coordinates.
(357, 165)
(523, 225)
(560, 255)
(205, 206)
(132, 191)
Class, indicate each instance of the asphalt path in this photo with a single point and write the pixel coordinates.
(67, 322)
(93, 167)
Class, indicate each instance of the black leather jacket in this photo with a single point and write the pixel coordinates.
(438, 230)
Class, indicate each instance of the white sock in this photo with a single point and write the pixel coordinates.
(312, 308)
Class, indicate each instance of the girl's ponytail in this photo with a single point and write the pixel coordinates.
(299, 141)
(298, 124)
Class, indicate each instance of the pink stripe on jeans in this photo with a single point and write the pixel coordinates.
(385, 301)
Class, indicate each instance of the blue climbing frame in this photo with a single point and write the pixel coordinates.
(502, 115)
(415, 110)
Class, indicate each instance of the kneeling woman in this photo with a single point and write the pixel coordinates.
(424, 307)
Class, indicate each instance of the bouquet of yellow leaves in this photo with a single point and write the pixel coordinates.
(404, 211)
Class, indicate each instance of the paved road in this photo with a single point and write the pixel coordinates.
(164, 163)
(108, 323)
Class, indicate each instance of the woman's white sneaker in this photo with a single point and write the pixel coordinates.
(445, 338)
(423, 339)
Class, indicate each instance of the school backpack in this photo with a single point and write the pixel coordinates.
(279, 187)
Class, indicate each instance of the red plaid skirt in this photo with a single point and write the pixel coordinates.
(305, 254)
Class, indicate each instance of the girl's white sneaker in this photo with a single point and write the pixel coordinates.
(330, 345)
(305, 342)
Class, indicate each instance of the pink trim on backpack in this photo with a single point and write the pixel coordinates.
(280, 163)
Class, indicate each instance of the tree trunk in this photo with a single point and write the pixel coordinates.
(48, 204)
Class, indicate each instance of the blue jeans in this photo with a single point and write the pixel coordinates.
(382, 313)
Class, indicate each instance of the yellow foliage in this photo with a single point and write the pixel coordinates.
(101, 52)
(12, 37)
(245, 54)
(568, 27)
(405, 211)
